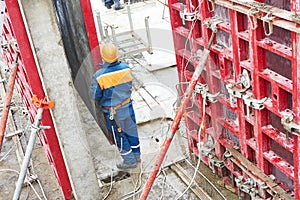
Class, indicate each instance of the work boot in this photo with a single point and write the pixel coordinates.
(124, 165)
(137, 157)
(108, 5)
(118, 6)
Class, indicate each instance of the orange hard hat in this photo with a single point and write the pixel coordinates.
(109, 53)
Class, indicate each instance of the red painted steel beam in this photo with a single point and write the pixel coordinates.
(34, 85)
(295, 4)
(91, 31)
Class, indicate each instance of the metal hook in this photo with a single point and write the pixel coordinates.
(211, 5)
(268, 18)
(252, 19)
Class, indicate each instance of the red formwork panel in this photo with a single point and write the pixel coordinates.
(249, 132)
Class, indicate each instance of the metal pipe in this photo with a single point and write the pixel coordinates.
(113, 33)
(150, 50)
(100, 28)
(186, 97)
(34, 129)
(130, 19)
(6, 106)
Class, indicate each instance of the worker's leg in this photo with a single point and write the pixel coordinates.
(128, 123)
(121, 142)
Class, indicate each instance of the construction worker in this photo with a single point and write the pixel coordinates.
(111, 87)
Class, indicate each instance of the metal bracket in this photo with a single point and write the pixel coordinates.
(13, 43)
(268, 18)
(252, 18)
(214, 162)
(290, 125)
(30, 179)
(203, 90)
(296, 18)
(212, 23)
(236, 92)
(211, 5)
(250, 102)
(187, 16)
(247, 186)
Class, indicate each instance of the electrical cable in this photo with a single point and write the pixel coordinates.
(199, 147)
(203, 175)
(42, 189)
(140, 188)
(115, 156)
(14, 146)
(9, 170)
(164, 181)
(36, 193)
(28, 189)
(111, 185)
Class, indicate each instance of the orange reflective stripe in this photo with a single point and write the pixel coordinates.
(114, 78)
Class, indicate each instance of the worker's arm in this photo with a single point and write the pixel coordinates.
(95, 90)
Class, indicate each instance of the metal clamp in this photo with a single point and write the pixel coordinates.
(247, 186)
(251, 102)
(203, 90)
(236, 92)
(214, 162)
(252, 18)
(212, 23)
(13, 43)
(187, 16)
(268, 18)
(289, 125)
(296, 18)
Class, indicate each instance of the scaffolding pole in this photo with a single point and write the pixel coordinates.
(34, 130)
(186, 97)
(6, 105)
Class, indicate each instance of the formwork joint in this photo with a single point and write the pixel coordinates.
(252, 17)
(248, 186)
(296, 18)
(268, 18)
(215, 162)
(289, 125)
(187, 16)
(212, 23)
(203, 90)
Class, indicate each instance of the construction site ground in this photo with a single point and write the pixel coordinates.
(154, 97)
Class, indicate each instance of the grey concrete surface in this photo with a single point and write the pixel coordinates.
(58, 84)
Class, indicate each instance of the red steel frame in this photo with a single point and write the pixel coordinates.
(260, 136)
(28, 84)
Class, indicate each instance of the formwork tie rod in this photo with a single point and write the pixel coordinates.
(175, 123)
(41, 104)
(6, 105)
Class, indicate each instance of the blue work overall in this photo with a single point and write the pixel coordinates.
(123, 125)
(111, 87)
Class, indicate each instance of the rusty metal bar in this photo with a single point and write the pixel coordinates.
(256, 173)
(6, 107)
(186, 98)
